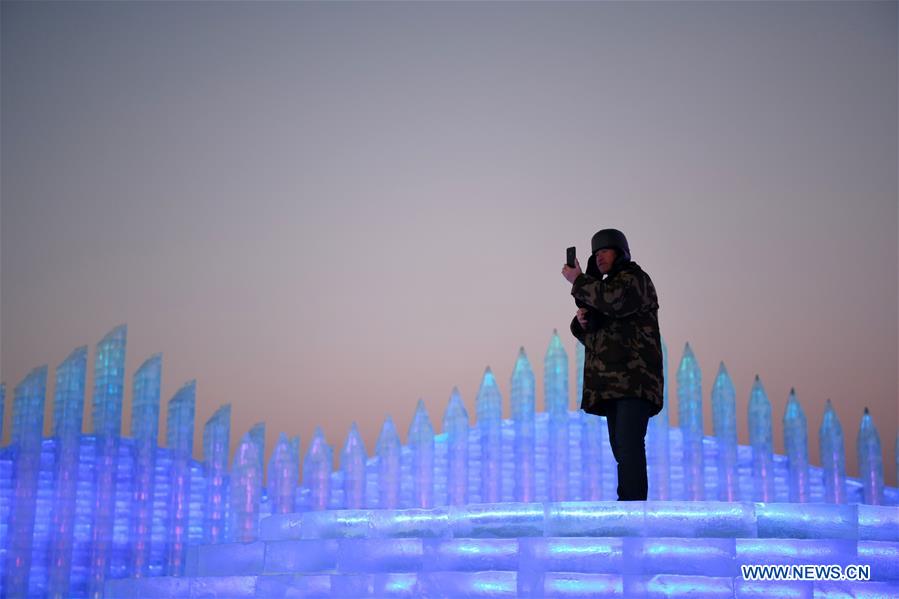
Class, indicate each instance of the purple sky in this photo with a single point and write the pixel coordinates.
(323, 212)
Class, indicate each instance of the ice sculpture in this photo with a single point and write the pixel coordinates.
(257, 435)
(555, 393)
(796, 446)
(106, 414)
(870, 462)
(421, 445)
(317, 470)
(455, 426)
(333, 544)
(689, 400)
(352, 462)
(216, 446)
(489, 407)
(180, 440)
(761, 442)
(657, 442)
(523, 410)
(144, 431)
(246, 490)
(388, 449)
(283, 471)
(68, 407)
(833, 456)
(592, 458)
(27, 428)
(724, 417)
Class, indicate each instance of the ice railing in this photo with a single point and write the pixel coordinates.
(77, 509)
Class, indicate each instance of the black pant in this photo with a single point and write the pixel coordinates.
(627, 420)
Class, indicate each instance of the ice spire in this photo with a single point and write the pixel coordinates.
(216, 447)
(246, 491)
(870, 461)
(317, 470)
(257, 434)
(283, 471)
(27, 429)
(489, 406)
(180, 440)
(724, 417)
(591, 458)
(389, 450)
(352, 462)
(106, 417)
(555, 377)
(523, 406)
(555, 392)
(68, 407)
(579, 357)
(761, 441)
(455, 425)
(421, 445)
(833, 456)
(689, 399)
(796, 445)
(145, 431)
(658, 441)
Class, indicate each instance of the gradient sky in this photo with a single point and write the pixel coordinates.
(324, 212)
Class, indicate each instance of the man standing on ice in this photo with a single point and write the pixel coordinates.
(617, 321)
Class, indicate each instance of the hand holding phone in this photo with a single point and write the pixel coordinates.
(570, 257)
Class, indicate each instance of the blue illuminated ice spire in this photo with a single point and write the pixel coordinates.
(761, 441)
(658, 442)
(724, 418)
(68, 407)
(522, 400)
(388, 450)
(591, 458)
(455, 425)
(352, 462)
(216, 447)
(283, 471)
(796, 445)
(106, 416)
(833, 456)
(246, 491)
(689, 399)
(489, 406)
(27, 429)
(579, 358)
(421, 445)
(145, 432)
(257, 434)
(555, 393)
(317, 471)
(870, 461)
(180, 440)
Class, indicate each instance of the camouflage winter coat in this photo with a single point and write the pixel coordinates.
(623, 347)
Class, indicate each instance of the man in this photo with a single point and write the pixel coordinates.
(617, 321)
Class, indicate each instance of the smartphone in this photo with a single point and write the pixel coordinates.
(570, 257)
